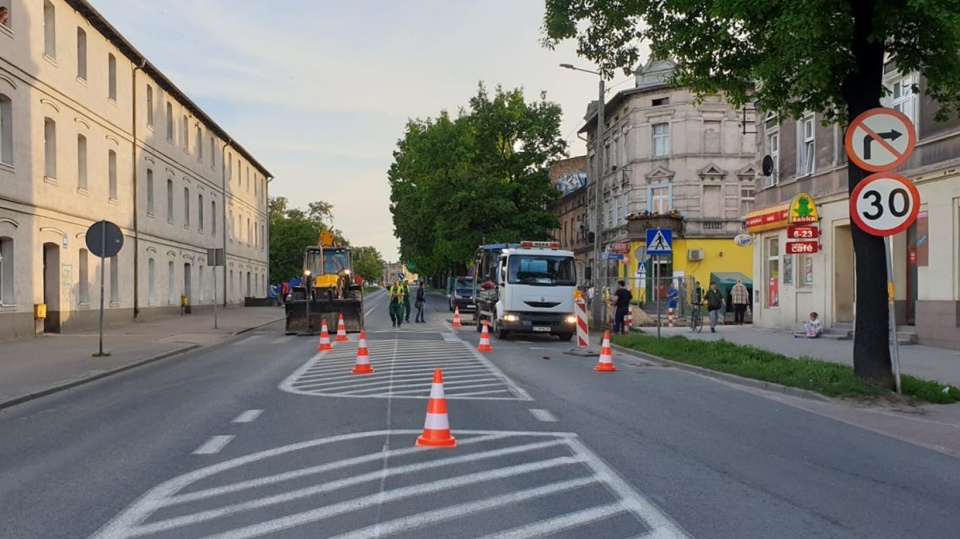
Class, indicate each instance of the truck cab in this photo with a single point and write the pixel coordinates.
(526, 288)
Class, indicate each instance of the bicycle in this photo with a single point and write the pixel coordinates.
(696, 319)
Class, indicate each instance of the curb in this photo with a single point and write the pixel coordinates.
(139, 363)
(726, 377)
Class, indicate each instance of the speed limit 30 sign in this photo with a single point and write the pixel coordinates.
(884, 204)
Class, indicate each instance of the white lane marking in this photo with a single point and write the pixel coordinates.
(433, 517)
(213, 445)
(248, 416)
(449, 337)
(558, 524)
(588, 470)
(543, 415)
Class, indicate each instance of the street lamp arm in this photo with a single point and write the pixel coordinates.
(571, 66)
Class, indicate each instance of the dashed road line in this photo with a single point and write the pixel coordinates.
(404, 369)
(248, 416)
(543, 415)
(213, 445)
(550, 480)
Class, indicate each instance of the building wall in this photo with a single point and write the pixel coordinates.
(720, 255)
(46, 210)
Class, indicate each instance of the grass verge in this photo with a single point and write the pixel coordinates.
(826, 378)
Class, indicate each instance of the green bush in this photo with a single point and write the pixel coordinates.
(827, 378)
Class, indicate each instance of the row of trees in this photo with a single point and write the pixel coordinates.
(788, 58)
(478, 177)
(293, 229)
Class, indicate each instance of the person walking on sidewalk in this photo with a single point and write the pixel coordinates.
(421, 300)
(740, 297)
(714, 304)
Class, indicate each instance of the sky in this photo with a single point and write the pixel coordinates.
(319, 91)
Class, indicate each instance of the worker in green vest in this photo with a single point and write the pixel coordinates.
(406, 301)
(396, 304)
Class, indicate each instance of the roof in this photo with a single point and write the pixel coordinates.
(127, 49)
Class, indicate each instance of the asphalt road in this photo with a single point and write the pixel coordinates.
(263, 436)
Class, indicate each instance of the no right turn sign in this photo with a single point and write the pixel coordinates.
(880, 139)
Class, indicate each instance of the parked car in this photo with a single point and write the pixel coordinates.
(462, 297)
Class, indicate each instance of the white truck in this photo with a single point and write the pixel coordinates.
(526, 288)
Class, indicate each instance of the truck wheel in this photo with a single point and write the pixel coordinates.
(565, 337)
(499, 331)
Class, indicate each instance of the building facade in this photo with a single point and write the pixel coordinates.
(569, 176)
(89, 131)
(669, 161)
(810, 158)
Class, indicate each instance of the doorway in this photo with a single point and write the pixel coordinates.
(187, 289)
(910, 305)
(248, 285)
(51, 287)
(844, 285)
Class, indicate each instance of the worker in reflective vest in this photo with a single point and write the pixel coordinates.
(396, 304)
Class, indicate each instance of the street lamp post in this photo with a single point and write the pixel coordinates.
(597, 306)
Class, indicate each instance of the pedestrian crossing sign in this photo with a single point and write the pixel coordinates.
(659, 241)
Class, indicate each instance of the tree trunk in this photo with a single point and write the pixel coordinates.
(862, 91)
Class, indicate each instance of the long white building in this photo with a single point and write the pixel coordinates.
(91, 130)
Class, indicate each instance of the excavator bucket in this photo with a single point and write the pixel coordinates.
(306, 318)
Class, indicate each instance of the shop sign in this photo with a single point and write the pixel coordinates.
(768, 218)
(802, 247)
(803, 232)
(803, 210)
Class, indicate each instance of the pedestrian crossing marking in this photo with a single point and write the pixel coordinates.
(404, 369)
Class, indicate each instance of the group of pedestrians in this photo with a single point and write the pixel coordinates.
(400, 303)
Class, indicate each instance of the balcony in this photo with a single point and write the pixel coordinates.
(638, 223)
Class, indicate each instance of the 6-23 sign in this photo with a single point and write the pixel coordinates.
(884, 204)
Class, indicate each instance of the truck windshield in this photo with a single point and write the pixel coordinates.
(541, 270)
(335, 260)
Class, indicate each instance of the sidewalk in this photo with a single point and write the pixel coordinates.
(922, 361)
(30, 368)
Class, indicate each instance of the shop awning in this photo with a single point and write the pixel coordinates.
(769, 218)
(726, 279)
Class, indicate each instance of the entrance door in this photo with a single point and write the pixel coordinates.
(910, 307)
(51, 287)
(248, 285)
(844, 285)
(187, 290)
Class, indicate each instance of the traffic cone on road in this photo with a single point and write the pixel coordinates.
(341, 331)
(484, 345)
(363, 357)
(325, 345)
(436, 428)
(606, 356)
(456, 318)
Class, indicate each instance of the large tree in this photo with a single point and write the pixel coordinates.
(479, 177)
(368, 263)
(787, 57)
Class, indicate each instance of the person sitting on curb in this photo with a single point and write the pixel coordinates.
(811, 328)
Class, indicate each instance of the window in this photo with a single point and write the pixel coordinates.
(170, 122)
(50, 148)
(773, 150)
(151, 282)
(81, 162)
(248, 179)
(256, 186)
(150, 105)
(114, 280)
(81, 54)
(661, 140)
(186, 207)
(49, 29)
(806, 151)
(213, 153)
(6, 130)
(170, 200)
(773, 272)
(84, 285)
(249, 231)
(262, 237)
(199, 144)
(663, 101)
(229, 166)
(202, 291)
(112, 173)
(659, 198)
(112, 77)
(213, 217)
(185, 133)
(7, 296)
(171, 290)
(903, 96)
(200, 213)
(747, 200)
(150, 203)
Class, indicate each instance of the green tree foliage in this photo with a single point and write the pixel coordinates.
(790, 57)
(291, 231)
(480, 177)
(368, 263)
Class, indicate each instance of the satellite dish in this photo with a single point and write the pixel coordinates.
(767, 165)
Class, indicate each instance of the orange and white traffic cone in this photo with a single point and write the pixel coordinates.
(436, 428)
(484, 345)
(606, 356)
(325, 345)
(456, 318)
(363, 357)
(341, 331)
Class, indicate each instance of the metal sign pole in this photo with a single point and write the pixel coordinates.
(103, 265)
(893, 314)
(215, 326)
(656, 289)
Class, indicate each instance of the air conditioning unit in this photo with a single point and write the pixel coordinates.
(694, 254)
